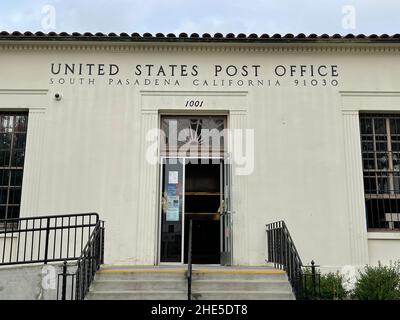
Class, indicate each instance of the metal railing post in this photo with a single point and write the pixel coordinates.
(78, 281)
(283, 253)
(101, 242)
(189, 275)
(64, 281)
(313, 278)
(46, 246)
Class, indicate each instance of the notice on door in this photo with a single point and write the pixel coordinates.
(172, 190)
(172, 208)
(173, 177)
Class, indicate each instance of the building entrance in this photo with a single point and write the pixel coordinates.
(203, 206)
(197, 190)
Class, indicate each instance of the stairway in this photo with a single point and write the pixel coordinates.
(209, 283)
(241, 284)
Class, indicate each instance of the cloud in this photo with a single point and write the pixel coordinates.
(19, 19)
(258, 16)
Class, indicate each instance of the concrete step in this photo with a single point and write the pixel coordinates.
(240, 285)
(136, 295)
(243, 295)
(139, 285)
(209, 283)
(126, 274)
(240, 275)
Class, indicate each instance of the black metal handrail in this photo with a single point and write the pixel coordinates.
(89, 262)
(190, 267)
(283, 253)
(311, 282)
(45, 239)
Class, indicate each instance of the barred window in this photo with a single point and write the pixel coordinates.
(380, 144)
(13, 128)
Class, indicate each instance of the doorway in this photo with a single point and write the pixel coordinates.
(203, 208)
(194, 189)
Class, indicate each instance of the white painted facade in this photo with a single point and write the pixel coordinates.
(86, 152)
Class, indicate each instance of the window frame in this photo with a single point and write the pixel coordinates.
(9, 168)
(164, 146)
(384, 192)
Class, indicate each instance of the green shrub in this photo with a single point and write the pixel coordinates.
(331, 287)
(378, 283)
(328, 286)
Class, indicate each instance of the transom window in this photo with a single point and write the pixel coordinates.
(193, 135)
(13, 128)
(380, 143)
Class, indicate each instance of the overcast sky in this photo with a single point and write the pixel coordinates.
(258, 16)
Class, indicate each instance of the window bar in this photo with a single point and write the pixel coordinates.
(390, 156)
(390, 167)
(375, 156)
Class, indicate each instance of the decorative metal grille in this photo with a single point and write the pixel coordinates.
(13, 128)
(380, 144)
(195, 133)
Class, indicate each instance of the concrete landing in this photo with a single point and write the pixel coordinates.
(195, 268)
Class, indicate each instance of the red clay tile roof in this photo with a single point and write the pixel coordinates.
(195, 37)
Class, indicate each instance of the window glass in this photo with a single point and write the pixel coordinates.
(182, 135)
(380, 146)
(13, 127)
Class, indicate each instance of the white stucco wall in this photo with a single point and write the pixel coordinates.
(85, 153)
(32, 282)
(383, 247)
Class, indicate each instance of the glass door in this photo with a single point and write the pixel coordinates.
(194, 191)
(200, 137)
(226, 216)
(172, 204)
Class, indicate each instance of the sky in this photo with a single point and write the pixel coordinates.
(211, 16)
